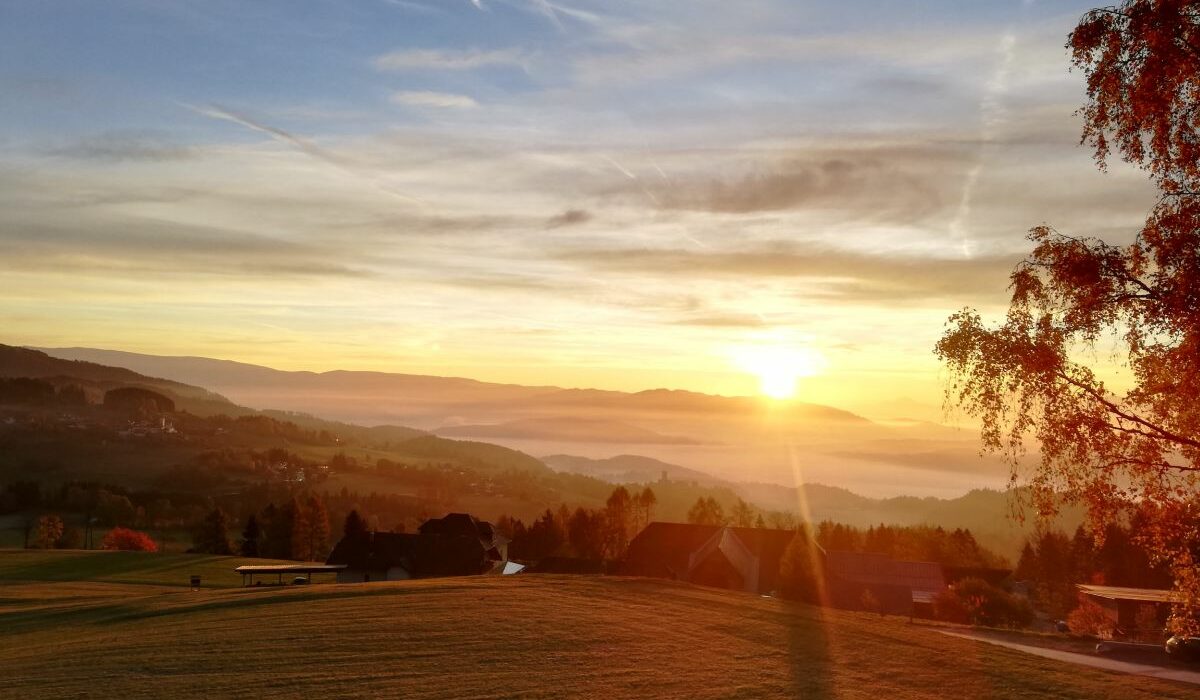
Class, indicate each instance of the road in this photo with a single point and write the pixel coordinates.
(1170, 674)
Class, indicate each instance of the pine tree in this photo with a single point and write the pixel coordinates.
(301, 546)
(212, 534)
(355, 527)
(318, 528)
(250, 537)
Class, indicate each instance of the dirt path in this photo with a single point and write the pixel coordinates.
(1170, 674)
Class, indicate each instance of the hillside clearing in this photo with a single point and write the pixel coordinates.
(523, 636)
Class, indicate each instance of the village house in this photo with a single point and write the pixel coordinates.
(747, 559)
(738, 558)
(456, 545)
(859, 580)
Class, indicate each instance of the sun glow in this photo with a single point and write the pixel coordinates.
(779, 368)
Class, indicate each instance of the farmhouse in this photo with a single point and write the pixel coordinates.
(739, 558)
(857, 580)
(456, 545)
(747, 559)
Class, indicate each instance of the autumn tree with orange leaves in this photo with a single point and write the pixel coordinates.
(1133, 448)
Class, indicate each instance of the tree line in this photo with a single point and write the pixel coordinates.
(602, 533)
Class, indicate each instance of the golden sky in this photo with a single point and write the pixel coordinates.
(608, 194)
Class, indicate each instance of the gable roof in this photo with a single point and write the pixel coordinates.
(665, 550)
(464, 525)
(420, 555)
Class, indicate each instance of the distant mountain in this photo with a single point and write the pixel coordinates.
(739, 439)
(24, 362)
(628, 468)
(343, 394)
(567, 429)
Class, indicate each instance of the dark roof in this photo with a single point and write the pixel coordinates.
(464, 525)
(878, 569)
(420, 555)
(664, 549)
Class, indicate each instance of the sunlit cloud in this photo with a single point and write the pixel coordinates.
(427, 98)
(436, 59)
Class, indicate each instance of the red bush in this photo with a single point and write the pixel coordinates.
(129, 540)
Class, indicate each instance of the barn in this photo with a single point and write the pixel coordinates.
(738, 558)
(858, 580)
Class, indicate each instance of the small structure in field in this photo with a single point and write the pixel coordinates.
(248, 572)
(1137, 613)
(456, 545)
(738, 558)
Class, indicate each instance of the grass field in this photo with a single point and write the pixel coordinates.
(522, 636)
(20, 565)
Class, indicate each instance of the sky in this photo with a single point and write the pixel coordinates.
(611, 194)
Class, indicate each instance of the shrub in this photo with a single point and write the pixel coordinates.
(978, 602)
(1091, 620)
(128, 540)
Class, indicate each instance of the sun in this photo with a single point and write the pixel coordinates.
(779, 368)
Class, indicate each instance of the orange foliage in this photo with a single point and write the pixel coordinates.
(1111, 451)
(128, 540)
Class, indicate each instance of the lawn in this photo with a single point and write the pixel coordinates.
(122, 567)
(522, 636)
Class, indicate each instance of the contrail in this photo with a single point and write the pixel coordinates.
(625, 171)
(303, 145)
(992, 114)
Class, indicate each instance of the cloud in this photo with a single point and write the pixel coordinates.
(426, 98)
(436, 59)
(570, 217)
(834, 274)
(119, 146)
(108, 245)
(721, 321)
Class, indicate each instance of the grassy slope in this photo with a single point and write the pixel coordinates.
(22, 565)
(470, 637)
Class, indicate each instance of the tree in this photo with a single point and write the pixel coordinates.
(706, 511)
(48, 531)
(618, 511)
(585, 533)
(317, 531)
(742, 514)
(301, 547)
(1114, 450)
(127, 540)
(801, 574)
(355, 527)
(250, 537)
(211, 536)
(646, 501)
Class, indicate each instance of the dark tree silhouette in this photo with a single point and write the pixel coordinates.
(354, 527)
(250, 536)
(211, 536)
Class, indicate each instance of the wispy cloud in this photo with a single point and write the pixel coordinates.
(118, 146)
(427, 98)
(570, 217)
(445, 59)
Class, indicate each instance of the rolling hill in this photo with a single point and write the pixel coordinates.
(738, 439)
(520, 636)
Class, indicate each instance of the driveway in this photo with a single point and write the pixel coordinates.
(1170, 674)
